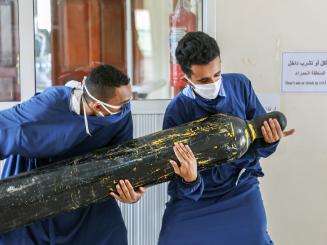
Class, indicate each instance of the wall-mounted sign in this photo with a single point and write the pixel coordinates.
(304, 72)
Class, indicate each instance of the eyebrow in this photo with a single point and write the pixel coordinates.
(206, 78)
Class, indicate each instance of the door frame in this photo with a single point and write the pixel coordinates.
(26, 65)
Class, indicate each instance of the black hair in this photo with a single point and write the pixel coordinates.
(103, 80)
(196, 48)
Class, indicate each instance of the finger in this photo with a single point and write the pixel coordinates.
(190, 152)
(265, 135)
(175, 167)
(185, 152)
(142, 190)
(130, 189)
(269, 133)
(120, 192)
(137, 197)
(179, 155)
(114, 195)
(289, 132)
(125, 190)
(279, 129)
(179, 147)
(273, 130)
(129, 186)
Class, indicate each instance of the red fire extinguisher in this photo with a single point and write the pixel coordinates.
(181, 21)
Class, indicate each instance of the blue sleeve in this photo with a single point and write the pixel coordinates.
(27, 128)
(8, 132)
(192, 191)
(15, 124)
(174, 117)
(254, 109)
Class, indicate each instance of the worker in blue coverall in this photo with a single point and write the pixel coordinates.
(222, 205)
(67, 121)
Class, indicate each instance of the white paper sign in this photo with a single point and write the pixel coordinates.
(270, 101)
(304, 72)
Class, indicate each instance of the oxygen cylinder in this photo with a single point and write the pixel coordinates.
(82, 180)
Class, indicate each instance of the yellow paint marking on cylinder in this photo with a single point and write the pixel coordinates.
(203, 162)
(252, 132)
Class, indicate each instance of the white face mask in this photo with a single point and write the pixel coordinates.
(208, 91)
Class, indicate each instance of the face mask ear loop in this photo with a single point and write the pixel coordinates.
(191, 84)
(95, 99)
(85, 117)
(104, 107)
(100, 113)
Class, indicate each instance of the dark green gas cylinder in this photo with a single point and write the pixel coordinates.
(80, 181)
